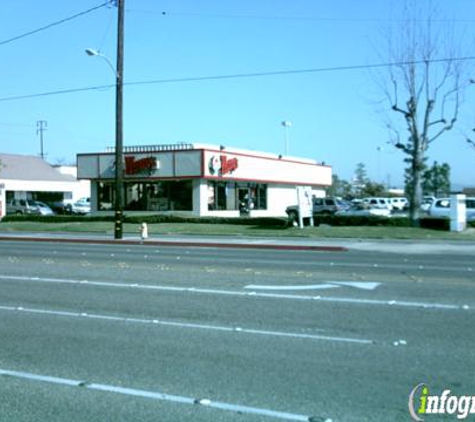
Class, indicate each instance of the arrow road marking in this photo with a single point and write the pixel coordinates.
(328, 285)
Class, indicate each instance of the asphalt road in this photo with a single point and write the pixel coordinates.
(146, 333)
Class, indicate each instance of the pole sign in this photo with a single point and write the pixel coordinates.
(458, 213)
(305, 205)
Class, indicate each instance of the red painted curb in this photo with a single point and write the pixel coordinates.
(185, 244)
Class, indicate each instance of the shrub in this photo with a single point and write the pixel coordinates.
(342, 220)
(55, 218)
(152, 219)
(435, 223)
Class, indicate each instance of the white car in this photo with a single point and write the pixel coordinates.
(82, 206)
(441, 208)
(382, 203)
(363, 211)
(399, 203)
(427, 201)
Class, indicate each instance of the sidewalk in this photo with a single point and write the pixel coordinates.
(411, 247)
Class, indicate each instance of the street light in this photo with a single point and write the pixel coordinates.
(286, 124)
(119, 153)
(91, 52)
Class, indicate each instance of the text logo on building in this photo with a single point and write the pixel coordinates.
(222, 165)
(422, 403)
(145, 165)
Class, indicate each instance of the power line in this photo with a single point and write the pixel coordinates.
(43, 28)
(57, 92)
(237, 76)
(165, 13)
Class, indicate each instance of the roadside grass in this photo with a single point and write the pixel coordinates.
(323, 232)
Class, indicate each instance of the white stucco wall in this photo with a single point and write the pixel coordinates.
(3, 206)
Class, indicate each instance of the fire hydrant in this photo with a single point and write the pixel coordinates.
(144, 231)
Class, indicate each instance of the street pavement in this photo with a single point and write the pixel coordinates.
(94, 329)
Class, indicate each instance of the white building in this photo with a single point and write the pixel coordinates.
(202, 180)
(30, 177)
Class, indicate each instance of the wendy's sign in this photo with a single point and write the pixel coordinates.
(145, 165)
(222, 165)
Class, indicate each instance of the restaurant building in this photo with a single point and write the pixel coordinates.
(202, 180)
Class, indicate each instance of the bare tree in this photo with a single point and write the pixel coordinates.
(423, 89)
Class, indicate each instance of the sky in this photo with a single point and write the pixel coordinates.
(337, 108)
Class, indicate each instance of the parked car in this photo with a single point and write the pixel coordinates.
(364, 211)
(383, 203)
(28, 206)
(399, 203)
(320, 206)
(328, 205)
(61, 207)
(82, 206)
(427, 201)
(441, 208)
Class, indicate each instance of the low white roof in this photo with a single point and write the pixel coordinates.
(29, 167)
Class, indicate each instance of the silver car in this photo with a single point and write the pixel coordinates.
(28, 206)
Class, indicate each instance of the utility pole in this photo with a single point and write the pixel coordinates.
(119, 165)
(41, 126)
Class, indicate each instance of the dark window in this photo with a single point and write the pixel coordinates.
(261, 200)
(217, 196)
(149, 196)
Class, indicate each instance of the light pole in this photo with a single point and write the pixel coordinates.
(119, 154)
(286, 124)
(41, 126)
(91, 52)
(379, 149)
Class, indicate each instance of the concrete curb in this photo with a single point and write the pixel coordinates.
(198, 244)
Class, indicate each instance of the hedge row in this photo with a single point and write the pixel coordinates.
(340, 220)
(425, 222)
(331, 220)
(152, 219)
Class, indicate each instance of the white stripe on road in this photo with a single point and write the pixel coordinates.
(329, 285)
(256, 294)
(290, 288)
(154, 395)
(177, 324)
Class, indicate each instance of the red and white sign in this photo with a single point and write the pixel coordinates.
(146, 165)
(266, 169)
(219, 166)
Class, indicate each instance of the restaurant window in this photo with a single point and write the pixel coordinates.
(261, 197)
(252, 195)
(105, 196)
(217, 196)
(149, 196)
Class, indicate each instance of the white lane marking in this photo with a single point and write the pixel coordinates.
(155, 395)
(254, 294)
(326, 285)
(363, 285)
(296, 288)
(178, 324)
